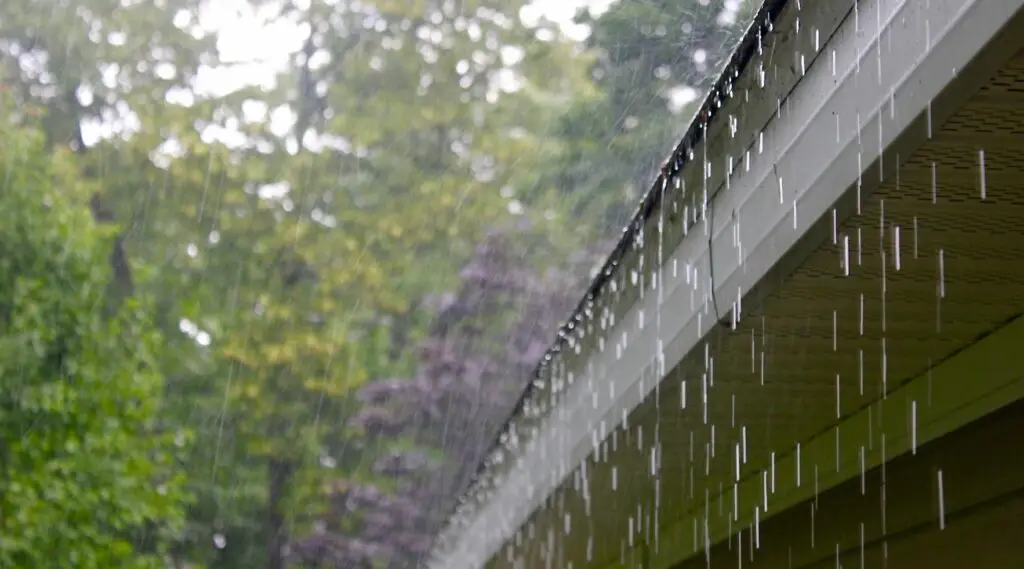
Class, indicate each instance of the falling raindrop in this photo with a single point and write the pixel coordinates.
(757, 527)
(942, 274)
(860, 170)
(861, 324)
(764, 490)
(835, 330)
(981, 168)
(846, 256)
(835, 226)
(935, 183)
(737, 462)
(743, 435)
(942, 501)
(798, 465)
(762, 368)
(896, 246)
(860, 357)
(220, 541)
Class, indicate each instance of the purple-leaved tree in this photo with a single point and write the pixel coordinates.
(483, 346)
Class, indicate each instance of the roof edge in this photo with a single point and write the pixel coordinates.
(760, 27)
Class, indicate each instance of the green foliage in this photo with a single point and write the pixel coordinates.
(87, 479)
(274, 276)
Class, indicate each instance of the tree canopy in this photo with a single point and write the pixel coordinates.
(90, 477)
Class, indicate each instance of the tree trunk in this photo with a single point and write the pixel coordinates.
(279, 475)
(121, 286)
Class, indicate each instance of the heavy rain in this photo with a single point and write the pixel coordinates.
(511, 284)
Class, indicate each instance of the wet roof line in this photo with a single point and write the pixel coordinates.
(742, 55)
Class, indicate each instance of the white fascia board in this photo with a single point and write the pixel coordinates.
(878, 72)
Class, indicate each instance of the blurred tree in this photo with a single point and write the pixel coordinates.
(431, 116)
(296, 267)
(87, 479)
(99, 68)
(424, 119)
(469, 373)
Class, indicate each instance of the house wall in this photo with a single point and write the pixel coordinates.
(898, 518)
